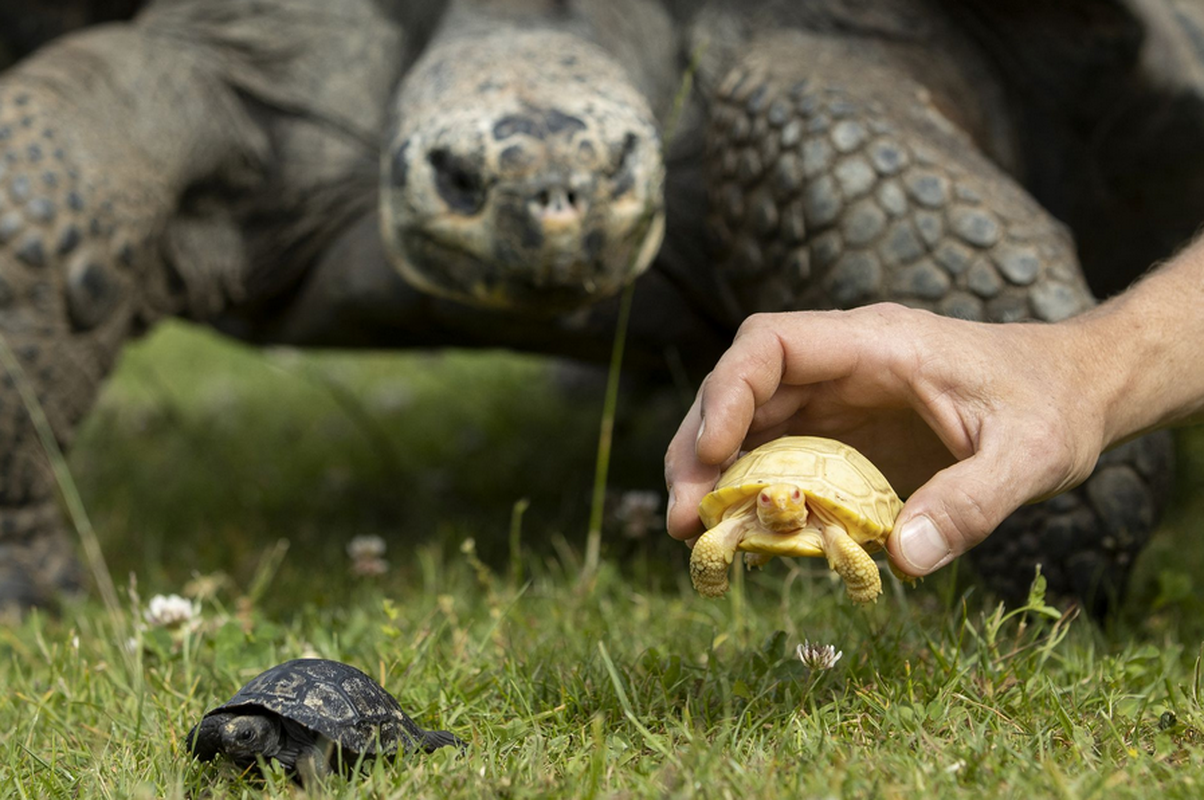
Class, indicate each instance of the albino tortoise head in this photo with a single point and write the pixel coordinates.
(523, 171)
(782, 507)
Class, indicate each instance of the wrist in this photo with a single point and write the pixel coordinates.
(1108, 369)
(1143, 350)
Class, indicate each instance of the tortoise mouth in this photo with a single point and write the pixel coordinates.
(477, 271)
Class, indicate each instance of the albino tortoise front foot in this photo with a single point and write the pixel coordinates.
(712, 556)
(709, 563)
(862, 580)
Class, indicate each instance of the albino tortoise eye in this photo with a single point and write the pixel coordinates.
(764, 498)
(797, 495)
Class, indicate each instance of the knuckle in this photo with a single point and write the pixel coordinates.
(1056, 454)
(757, 323)
(970, 520)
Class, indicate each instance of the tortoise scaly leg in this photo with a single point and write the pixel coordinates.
(100, 134)
(313, 767)
(713, 554)
(849, 560)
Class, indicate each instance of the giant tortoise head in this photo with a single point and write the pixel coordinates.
(523, 170)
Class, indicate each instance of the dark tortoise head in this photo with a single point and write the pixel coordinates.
(524, 171)
(241, 737)
(246, 735)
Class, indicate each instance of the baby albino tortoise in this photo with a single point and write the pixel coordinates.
(798, 496)
(311, 715)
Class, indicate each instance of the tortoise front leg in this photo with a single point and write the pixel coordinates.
(857, 569)
(713, 552)
(100, 133)
(313, 766)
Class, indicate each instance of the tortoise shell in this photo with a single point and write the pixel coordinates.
(835, 477)
(333, 699)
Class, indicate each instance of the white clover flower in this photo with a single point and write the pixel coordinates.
(367, 556)
(171, 611)
(638, 511)
(362, 548)
(818, 656)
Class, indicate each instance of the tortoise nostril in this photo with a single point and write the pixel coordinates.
(557, 201)
(457, 181)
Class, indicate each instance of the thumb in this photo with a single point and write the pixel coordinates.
(954, 511)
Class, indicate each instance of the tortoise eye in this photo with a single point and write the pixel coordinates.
(246, 735)
(764, 498)
(797, 495)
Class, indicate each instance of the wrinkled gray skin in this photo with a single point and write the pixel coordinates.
(264, 167)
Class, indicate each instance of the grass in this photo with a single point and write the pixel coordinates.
(238, 477)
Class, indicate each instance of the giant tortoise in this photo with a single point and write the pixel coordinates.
(473, 172)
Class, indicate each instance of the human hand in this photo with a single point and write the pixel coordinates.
(972, 419)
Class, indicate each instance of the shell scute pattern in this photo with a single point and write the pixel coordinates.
(330, 703)
(333, 699)
(843, 481)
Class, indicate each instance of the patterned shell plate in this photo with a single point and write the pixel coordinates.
(832, 474)
(332, 698)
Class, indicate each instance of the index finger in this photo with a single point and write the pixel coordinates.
(798, 347)
(687, 479)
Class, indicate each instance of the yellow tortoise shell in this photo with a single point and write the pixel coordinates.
(830, 473)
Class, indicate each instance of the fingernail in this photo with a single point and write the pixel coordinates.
(922, 545)
(669, 505)
(702, 426)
